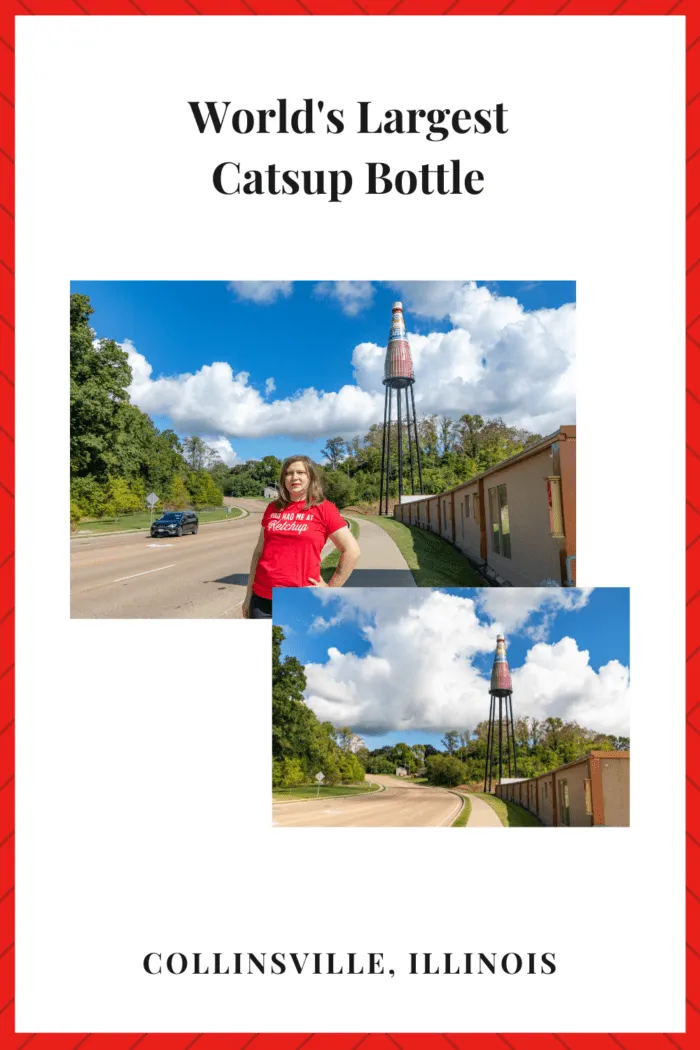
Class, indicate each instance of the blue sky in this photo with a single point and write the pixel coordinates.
(568, 651)
(304, 337)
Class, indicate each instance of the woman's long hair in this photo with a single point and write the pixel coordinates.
(314, 493)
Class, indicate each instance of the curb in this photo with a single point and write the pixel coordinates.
(461, 808)
(288, 802)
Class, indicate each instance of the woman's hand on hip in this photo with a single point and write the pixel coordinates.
(317, 583)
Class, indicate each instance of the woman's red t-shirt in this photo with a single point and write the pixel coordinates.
(294, 539)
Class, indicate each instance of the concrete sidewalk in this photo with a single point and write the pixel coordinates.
(482, 816)
(381, 562)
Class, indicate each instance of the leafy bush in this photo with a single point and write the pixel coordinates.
(287, 772)
(444, 770)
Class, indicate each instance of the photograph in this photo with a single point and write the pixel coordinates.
(463, 707)
(230, 438)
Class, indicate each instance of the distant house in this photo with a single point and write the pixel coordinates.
(271, 492)
(401, 772)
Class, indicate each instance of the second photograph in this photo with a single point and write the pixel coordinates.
(464, 708)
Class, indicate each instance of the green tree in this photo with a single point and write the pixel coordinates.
(110, 437)
(99, 377)
(122, 497)
(293, 723)
(178, 496)
(198, 454)
(403, 755)
(89, 496)
(450, 741)
(203, 490)
(334, 450)
(299, 740)
(444, 770)
(338, 488)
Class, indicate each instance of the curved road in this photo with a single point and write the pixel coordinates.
(132, 576)
(401, 805)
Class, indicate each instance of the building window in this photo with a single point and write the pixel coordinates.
(500, 520)
(564, 811)
(556, 508)
(466, 506)
(546, 792)
(589, 797)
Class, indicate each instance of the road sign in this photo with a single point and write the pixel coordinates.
(320, 777)
(151, 500)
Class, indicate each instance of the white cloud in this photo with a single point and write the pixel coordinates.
(497, 360)
(353, 296)
(319, 624)
(263, 292)
(222, 445)
(269, 386)
(558, 680)
(513, 607)
(217, 399)
(419, 670)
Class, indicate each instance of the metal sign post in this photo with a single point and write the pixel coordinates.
(319, 778)
(151, 500)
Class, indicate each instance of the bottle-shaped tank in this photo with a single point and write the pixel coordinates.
(398, 365)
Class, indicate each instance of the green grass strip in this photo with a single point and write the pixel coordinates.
(311, 791)
(330, 562)
(510, 814)
(142, 520)
(463, 818)
(432, 560)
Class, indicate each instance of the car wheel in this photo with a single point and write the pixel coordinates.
(195, 530)
(179, 530)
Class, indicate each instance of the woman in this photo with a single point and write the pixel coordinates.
(294, 530)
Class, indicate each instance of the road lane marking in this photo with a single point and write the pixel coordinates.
(159, 545)
(159, 569)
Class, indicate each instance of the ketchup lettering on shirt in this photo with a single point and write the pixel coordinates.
(294, 539)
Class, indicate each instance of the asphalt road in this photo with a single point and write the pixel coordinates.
(401, 805)
(133, 576)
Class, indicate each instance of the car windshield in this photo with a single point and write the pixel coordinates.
(171, 517)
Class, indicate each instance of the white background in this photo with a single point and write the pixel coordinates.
(143, 760)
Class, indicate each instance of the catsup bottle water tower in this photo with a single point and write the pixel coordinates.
(398, 377)
(501, 734)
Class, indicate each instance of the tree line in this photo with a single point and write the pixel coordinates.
(303, 746)
(540, 746)
(452, 451)
(117, 454)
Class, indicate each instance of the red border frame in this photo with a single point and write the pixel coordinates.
(9, 9)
